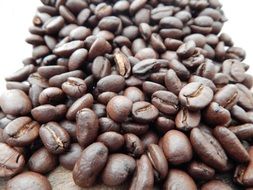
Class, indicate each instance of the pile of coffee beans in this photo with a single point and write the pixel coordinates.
(148, 93)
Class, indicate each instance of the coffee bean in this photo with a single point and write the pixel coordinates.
(37, 79)
(135, 128)
(244, 131)
(23, 86)
(158, 161)
(195, 96)
(21, 132)
(41, 115)
(29, 180)
(200, 171)
(245, 97)
(186, 120)
(53, 25)
(55, 139)
(164, 124)
(133, 145)
(144, 112)
(21, 74)
(247, 175)
(103, 10)
(179, 179)
(105, 97)
(12, 162)
(161, 12)
(112, 140)
(74, 87)
(215, 184)
(68, 48)
(20, 102)
(52, 70)
(90, 164)
(143, 177)
(134, 94)
(51, 95)
(118, 169)
(176, 147)
(70, 127)
(208, 149)
(228, 138)
(99, 109)
(77, 58)
(172, 82)
(122, 64)
(69, 158)
(42, 161)
(101, 67)
(204, 81)
(181, 71)
(112, 83)
(106, 124)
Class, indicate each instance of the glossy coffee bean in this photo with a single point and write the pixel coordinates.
(178, 179)
(21, 131)
(176, 147)
(135, 128)
(133, 145)
(149, 138)
(54, 138)
(123, 65)
(186, 120)
(164, 124)
(74, 87)
(21, 74)
(20, 102)
(195, 96)
(29, 180)
(134, 94)
(112, 140)
(12, 161)
(118, 169)
(106, 124)
(144, 112)
(215, 184)
(101, 67)
(172, 82)
(112, 83)
(200, 171)
(69, 158)
(51, 95)
(244, 131)
(42, 161)
(90, 164)
(118, 108)
(239, 114)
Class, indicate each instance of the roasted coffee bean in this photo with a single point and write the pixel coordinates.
(245, 97)
(118, 169)
(176, 147)
(158, 161)
(118, 108)
(70, 127)
(178, 179)
(80, 33)
(134, 94)
(186, 50)
(143, 177)
(41, 115)
(186, 120)
(164, 124)
(99, 109)
(195, 96)
(122, 64)
(161, 12)
(51, 70)
(166, 102)
(68, 48)
(21, 74)
(204, 81)
(208, 149)
(146, 53)
(77, 58)
(69, 158)
(87, 127)
(217, 115)
(112, 140)
(21, 132)
(180, 70)
(133, 145)
(54, 25)
(215, 184)
(12, 161)
(101, 67)
(34, 93)
(85, 101)
(23, 86)
(20, 102)
(231, 144)
(149, 138)
(51, 95)
(74, 87)
(144, 112)
(29, 180)
(151, 87)
(244, 131)
(90, 164)
(135, 128)
(106, 124)
(227, 97)
(112, 83)
(240, 114)
(105, 97)
(172, 82)
(42, 161)
(200, 171)
(55, 138)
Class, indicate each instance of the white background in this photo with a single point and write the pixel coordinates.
(16, 16)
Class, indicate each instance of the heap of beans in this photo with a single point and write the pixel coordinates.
(148, 92)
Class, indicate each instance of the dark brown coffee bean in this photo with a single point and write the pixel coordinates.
(247, 179)
(240, 114)
(200, 171)
(176, 147)
(145, 30)
(67, 49)
(21, 132)
(20, 102)
(133, 145)
(217, 115)
(181, 71)
(103, 10)
(112, 140)
(29, 180)
(90, 164)
(161, 12)
(135, 128)
(208, 149)
(143, 177)
(144, 112)
(99, 109)
(134, 94)
(67, 14)
(151, 87)
(51, 95)
(121, 6)
(83, 16)
(99, 47)
(80, 33)
(204, 81)
(106, 124)
(76, 6)
(245, 97)
(187, 120)
(157, 43)
(164, 124)
(227, 97)
(172, 44)
(118, 169)
(41, 115)
(231, 144)
(21, 74)
(118, 108)
(85, 101)
(195, 96)
(69, 158)
(55, 138)
(199, 39)
(40, 51)
(215, 184)
(112, 83)
(51, 70)
(186, 50)
(77, 58)
(122, 64)
(166, 102)
(12, 162)
(101, 67)
(37, 79)
(172, 82)
(244, 131)
(35, 40)
(105, 97)
(42, 161)
(110, 23)
(178, 179)
(58, 80)
(53, 25)
(24, 86)
(149, 138)
(70, 127)
(74, 87)
(158, 161)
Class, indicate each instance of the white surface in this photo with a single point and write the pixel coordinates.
(16, 17)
